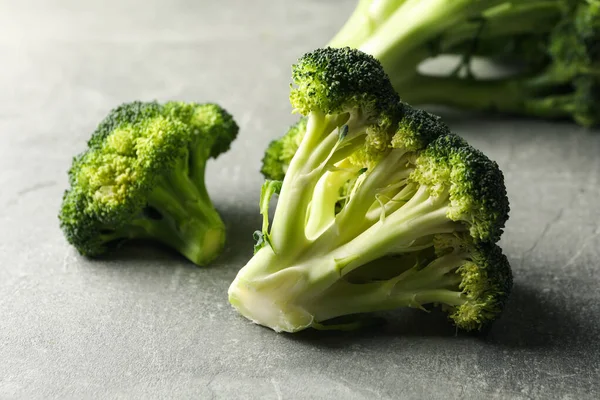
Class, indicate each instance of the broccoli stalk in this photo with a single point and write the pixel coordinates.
(555, 43)
(471, 282)
(371, 178)
(142, 177)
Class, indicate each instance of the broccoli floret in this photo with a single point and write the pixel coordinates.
(142, 177)
(370, 179)
(280, 151)
(555, 44)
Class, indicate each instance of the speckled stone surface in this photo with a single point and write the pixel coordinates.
(144, 323)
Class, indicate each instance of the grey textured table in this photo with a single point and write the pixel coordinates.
(145, 323)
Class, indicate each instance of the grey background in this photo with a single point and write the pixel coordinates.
(145, 323)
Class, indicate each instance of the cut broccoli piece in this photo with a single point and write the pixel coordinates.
(372, 178)
(556, 44)
(142, 176)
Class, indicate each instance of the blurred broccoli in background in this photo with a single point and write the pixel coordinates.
(554, 43)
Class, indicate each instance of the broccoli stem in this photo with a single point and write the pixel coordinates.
(196, 240)
(481, 95)
(436, 283)
(394, 203)
(292, 295)
(357, 28)
(420, 217)
(197, 169)
(508, 95)
(422, 29)
(269, 289)
(417, 23)
(508, 20)
(346, 298)
(325, 197)
(416, 221)
(392, 169)
(196, 228)
(403, 33)
(302, 176)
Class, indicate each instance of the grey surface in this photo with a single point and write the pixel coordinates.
(147, 324)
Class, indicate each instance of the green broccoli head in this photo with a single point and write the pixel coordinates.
(483, 276)
(472, 184)
(417, 129)
(142, 176)
(335, 81)
(110, 181)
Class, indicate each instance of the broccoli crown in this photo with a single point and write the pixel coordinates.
(417, 129)
(131, 153)
(279, 153)
(334, 81)
(111, 180)
(473, 183)
(485, 280)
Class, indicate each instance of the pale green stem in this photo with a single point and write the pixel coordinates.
(416, 23)
(346, 298)
(301, 177)
(418, 218)
(325, 197)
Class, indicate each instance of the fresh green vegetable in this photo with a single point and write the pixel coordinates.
(142, 176)
(372, 185)
(556, 44)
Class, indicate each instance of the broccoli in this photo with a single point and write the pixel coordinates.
(280, 152)
(555, 44)
(142, 177)
(371, 180)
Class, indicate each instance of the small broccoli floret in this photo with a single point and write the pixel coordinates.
(142, 176)
(365, 184)
(280, 151)
(554, 44)
(334, 82)
(473, 184)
